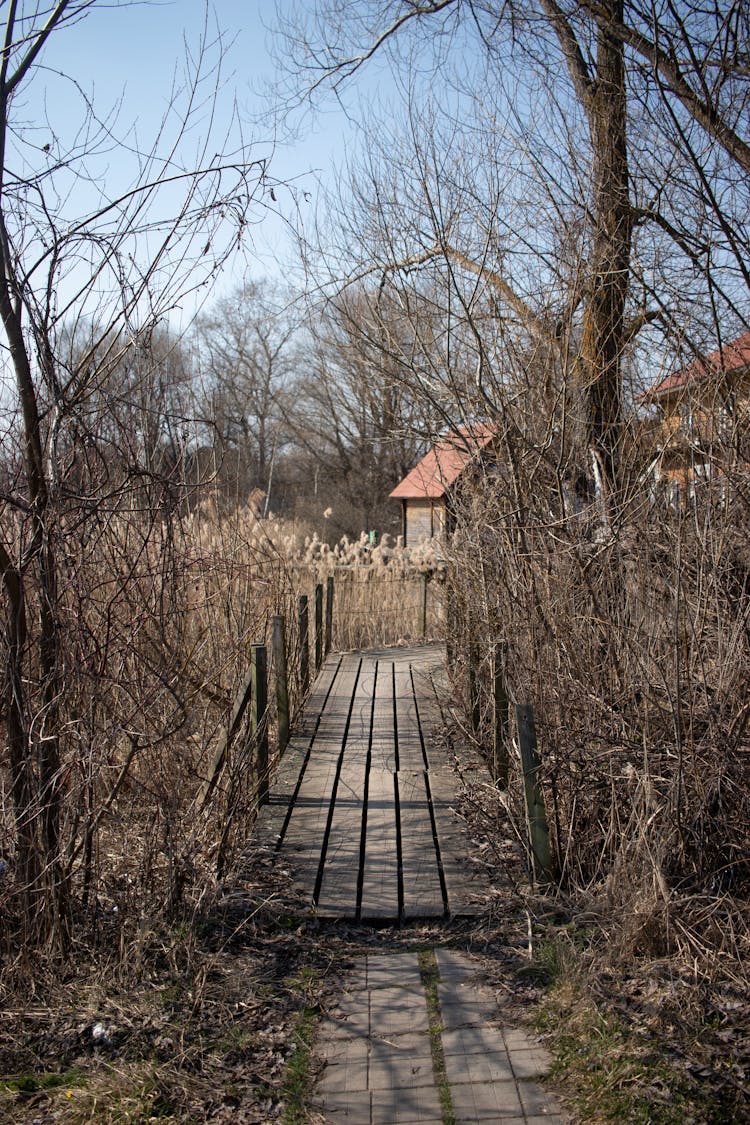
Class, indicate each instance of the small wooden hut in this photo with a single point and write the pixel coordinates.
(426, 493)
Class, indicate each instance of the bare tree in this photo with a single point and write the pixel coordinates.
(120, 266)
(355, 416)
(557, 73)
(249, 350)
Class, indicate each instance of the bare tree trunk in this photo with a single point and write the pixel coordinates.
(604, 311)
(38, 847)
(603, 96)
(22, 776)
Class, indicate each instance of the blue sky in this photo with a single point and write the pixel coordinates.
(128, 54)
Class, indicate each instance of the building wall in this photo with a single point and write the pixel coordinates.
(424, 519)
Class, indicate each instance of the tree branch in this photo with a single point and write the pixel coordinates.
(705, 113)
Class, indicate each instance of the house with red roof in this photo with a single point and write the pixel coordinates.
(427, 492)
(699, 407)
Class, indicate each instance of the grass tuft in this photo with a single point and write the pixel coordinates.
(430, 974)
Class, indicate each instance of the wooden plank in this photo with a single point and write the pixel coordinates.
(410, 757)
(465, 885)
(365, 773)
(305, 832)
(383, 750)
(272, 816)
(430, 679)
(338, 890)
(288, 769)
(423, 896)
(380, 894)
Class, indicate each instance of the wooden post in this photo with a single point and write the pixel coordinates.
(450, 627)
(329, 614)
(304, 644)
(239, 707)
(259, 674)
(474, 687)
(500, 715)
(536, 817)
(318, 626)
(278, 642)
(423, 606)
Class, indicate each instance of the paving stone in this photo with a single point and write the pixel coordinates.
(483, 1039)
(345, 1025)
(344, 1051)
(403, 1019)
(356, 979)
(393, 970)
(418, 1106)
(536, 1101)
(530, 1064)
(354, 1108)
(491, 1067)
(518, 1039)
(397, 996)
(345, 1077)
(465, 992)
(486, 1101)
(392, 1068)
(459, 1015)
(396, 1011)
(455, 966)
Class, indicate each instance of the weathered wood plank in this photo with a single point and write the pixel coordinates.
(380, 893)
(423, 896)
(305, 832)
(464, 886)
(379, 890)
(338, 886)
(409, 742)
(272, 816)
(366, 768)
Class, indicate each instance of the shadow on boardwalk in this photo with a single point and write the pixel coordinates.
(364, 816)
(363, 810)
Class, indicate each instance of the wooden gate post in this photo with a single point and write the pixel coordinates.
(451, 623)
(278, 641)
(423, 606)
(476, 714)
(259, 675)
(500, 715)
(304, 644)
(329, 614)
(318, 626)
(239, 707)
(541, 861)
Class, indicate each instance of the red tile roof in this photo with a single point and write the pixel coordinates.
(733, 357)
(444, 463)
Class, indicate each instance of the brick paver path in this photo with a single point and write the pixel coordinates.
(396, 1054)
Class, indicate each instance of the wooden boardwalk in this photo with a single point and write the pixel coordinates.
(362, 810)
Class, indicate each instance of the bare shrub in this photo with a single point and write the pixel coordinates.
(158, 612)
(633, 645)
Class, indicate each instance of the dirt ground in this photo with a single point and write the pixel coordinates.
(214, 1019)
